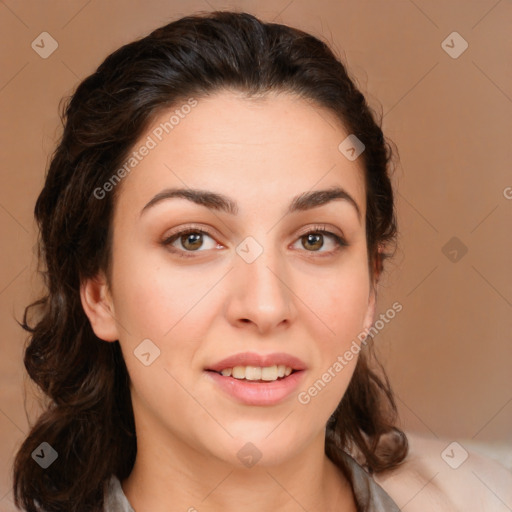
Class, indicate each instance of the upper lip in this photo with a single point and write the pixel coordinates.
(261, 360)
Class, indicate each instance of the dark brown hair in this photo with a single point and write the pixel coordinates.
(88, 417)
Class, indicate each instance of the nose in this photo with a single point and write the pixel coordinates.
(260, 294)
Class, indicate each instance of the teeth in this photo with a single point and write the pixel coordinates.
(267, 373)
(238, 372)
(253, 373)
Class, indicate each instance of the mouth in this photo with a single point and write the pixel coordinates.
(254, 379)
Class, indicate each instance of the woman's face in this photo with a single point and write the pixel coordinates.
(246, 280)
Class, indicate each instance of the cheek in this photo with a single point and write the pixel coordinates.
(159, 300)
(152, 299)
(166, 305)
(341, 301)
(342, 304)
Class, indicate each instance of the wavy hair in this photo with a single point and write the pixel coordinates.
(88, 418)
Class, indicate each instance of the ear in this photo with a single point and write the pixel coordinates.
(372, 298)
(99, 308)
(370, 312)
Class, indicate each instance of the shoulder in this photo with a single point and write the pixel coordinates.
(114, 499)
(446, 477)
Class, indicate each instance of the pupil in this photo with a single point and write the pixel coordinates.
(194, 238)
(312, 237)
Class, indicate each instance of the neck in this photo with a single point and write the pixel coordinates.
(170, 475)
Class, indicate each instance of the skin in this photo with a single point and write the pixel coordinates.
(199, 310)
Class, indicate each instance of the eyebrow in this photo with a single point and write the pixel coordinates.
(220, 202)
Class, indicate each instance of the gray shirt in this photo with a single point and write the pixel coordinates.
(369, 495)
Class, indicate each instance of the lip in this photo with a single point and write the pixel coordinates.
(262, 360)
(255, 392)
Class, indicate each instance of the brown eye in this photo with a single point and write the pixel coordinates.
(189, 241)
(314, 241)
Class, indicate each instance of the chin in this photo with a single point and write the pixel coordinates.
(260, 449)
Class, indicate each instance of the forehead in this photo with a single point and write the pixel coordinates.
(279, 145)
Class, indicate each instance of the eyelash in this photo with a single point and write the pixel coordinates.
(318, 229)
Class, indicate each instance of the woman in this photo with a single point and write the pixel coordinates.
(214, 223)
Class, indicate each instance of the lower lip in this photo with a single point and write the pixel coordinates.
(258, 393)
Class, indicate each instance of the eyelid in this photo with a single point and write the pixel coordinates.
(190, 227)
(324, 229)
(327, 231)
(182, 230)
(208, 230)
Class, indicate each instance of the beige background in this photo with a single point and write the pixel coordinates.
(449, 352)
